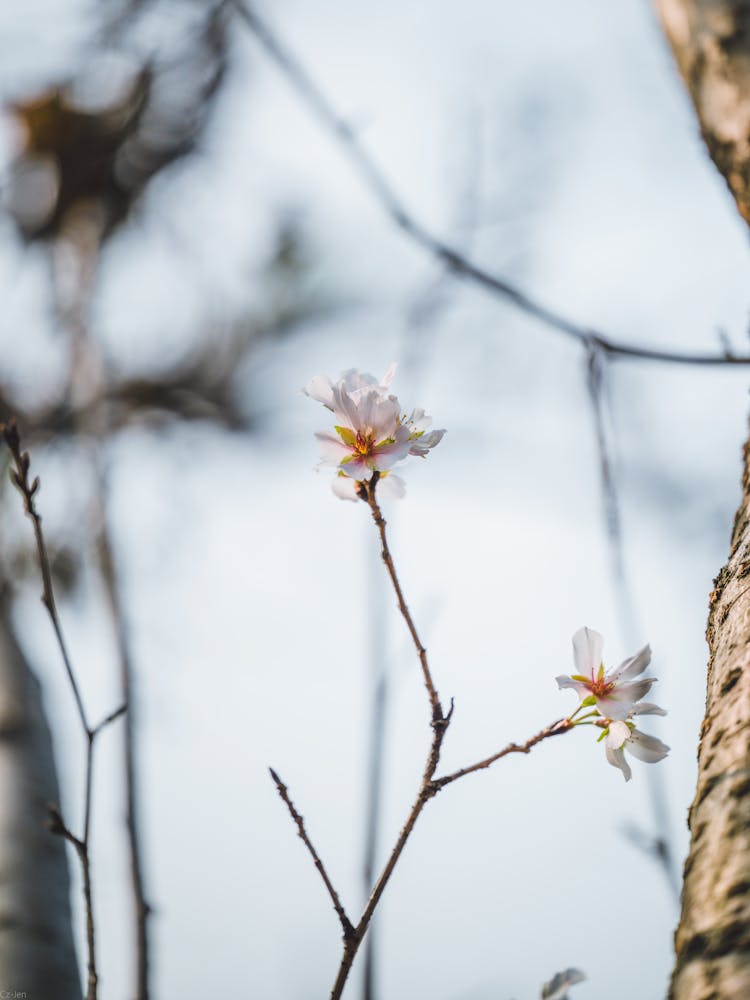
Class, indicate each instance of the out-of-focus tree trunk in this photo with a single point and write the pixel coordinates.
(37, 956)
(711, 42)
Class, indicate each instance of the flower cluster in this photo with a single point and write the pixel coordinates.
(373, 433)
(615, 698)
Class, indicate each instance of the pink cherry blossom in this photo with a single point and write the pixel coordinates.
(614, 693)
(372, 432)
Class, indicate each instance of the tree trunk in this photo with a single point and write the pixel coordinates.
(711, 43)
(37, 956)
(713, 937)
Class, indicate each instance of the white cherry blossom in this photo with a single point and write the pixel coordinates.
(623, 735)
(614, 693)
(372, 432)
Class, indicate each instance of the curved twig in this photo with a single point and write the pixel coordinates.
(383, 191)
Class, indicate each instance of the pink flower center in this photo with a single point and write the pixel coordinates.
(600, 687)
(363, 443)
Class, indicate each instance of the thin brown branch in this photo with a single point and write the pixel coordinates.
(29, 489)
(57, 826)
(110, 718)
(556, 729)
(368, 492)
(384, 193)
(425, 793)
(440, 723)
(143, 908)
(20, 477)
(346, 924)
(429, 786)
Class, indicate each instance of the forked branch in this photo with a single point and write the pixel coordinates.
(429, 785)
(346, 924)
(384, 193)
(29, 488)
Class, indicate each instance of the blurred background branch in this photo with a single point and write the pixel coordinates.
(454, 260)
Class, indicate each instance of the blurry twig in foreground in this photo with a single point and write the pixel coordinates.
(20, 477)
(383, 191)
(84, 163)
(379, 676)
(78, 250)
(429, 785)
(660, 844)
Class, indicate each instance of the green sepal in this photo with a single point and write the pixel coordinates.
(347, 435)
(588, 702)
(605, 732)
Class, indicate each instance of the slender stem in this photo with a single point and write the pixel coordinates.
(377, 516)
(93, 977)
(425, 793)
(556, 729)
(440, 723)
(20, 477)
(346, 924)
(429, 785)
(114, 600)
(384, 193)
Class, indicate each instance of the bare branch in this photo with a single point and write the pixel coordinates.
(346, 924)
(383, 191)
(429, 786)
(110, 718)
(556, 729)
(20, 477)
(368, 494)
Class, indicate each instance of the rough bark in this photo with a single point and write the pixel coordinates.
(711, 43)
(713, 938)
(37, 956)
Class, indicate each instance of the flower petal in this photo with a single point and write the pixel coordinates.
(345, 407)
(619, 703)
(646, 708)
(345, 488)
(391, 487)
(357, 468)
(385, 456)
(633, 666)
(617, 734)
(617, 759)
(418, 421)
(563, 681)
(587, 651)
(353, 380)
(381, 415)
(388, 377)
(422, 445)
(320, 388)
(646, 748)
(332, 448)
